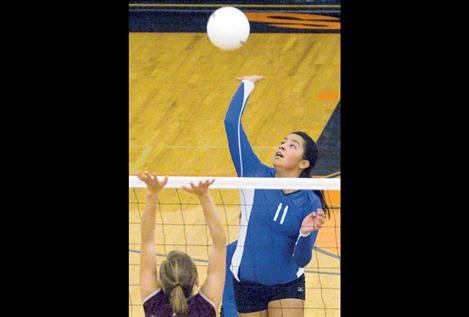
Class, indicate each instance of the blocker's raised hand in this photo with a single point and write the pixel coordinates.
(200, 189)
(153, 184)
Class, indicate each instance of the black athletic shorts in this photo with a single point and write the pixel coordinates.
(252, 297)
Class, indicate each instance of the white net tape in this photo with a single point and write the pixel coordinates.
(248, 182)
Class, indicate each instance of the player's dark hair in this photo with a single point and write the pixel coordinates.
(311, 154)
(178, 275)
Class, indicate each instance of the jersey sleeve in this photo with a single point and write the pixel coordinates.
(245, 160)
(304, 248)
(303, 251)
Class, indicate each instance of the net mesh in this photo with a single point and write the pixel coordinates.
(180, 225)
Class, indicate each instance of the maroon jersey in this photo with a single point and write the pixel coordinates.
(157, 305)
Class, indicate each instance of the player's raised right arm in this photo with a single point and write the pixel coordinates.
(244, 158)
(213, 285)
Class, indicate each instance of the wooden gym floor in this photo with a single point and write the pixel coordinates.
(180, 87)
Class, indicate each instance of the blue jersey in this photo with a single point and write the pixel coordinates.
(270, 248)
(229, 303)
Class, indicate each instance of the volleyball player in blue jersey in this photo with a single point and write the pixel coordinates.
(278, 227)
(170, 293)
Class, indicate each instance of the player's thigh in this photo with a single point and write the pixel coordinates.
(262, 313)
(287, 307)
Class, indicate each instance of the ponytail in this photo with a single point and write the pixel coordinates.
(325, 206)
(178, 275)
(178, 301)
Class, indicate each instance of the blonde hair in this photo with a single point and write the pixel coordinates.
(178, 275)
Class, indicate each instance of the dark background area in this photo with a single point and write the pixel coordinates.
(155, 16)
(71, 106)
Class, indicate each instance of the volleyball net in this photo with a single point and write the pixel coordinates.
(180, 225)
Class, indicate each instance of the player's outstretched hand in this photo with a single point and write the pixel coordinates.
(153, 184)
(251, 78)
(313, 222)
(201, 189)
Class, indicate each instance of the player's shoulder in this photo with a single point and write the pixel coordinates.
(153, 299)
(203, 303)
(311, 199)
(315, 197)
(303, 199)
